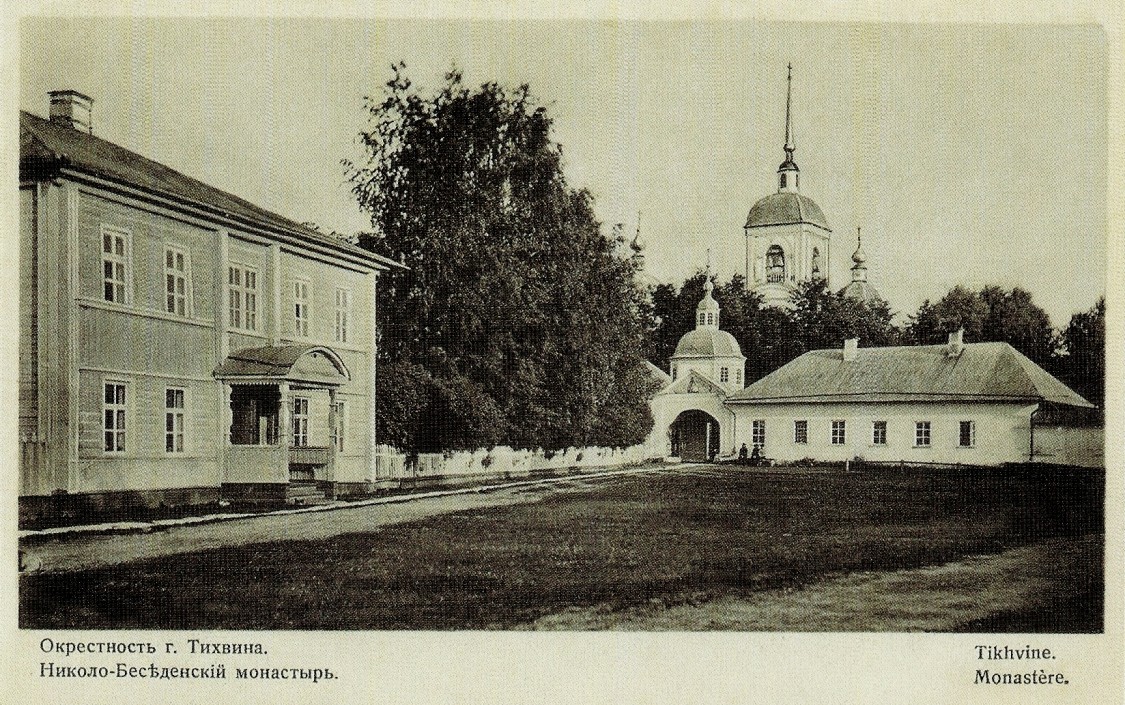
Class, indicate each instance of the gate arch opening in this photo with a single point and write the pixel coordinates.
(695, 436)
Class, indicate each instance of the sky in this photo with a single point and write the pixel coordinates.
(969, 154)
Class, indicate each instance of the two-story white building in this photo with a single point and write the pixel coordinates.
(177, 343)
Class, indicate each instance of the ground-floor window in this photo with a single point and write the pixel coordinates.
(967, 438)
(839, 433)
(114, 409)
(174, 420)
(878, 433)
(922, 434)
(300, 421)
(758, 432)
(801, 432)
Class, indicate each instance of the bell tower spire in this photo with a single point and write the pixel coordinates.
(788, 174)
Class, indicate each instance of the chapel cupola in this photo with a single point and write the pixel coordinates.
(707, 312)
(859, 258)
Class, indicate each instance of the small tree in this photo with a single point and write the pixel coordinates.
(1082, 365)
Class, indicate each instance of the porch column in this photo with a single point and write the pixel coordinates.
(333, 435)
(284, 419)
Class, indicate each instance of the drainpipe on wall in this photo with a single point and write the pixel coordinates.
(1031, 451)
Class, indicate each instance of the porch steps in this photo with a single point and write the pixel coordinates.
(304, 494)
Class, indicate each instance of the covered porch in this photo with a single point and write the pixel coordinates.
(284, 422)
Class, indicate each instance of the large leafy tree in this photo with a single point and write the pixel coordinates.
(991, 314)
(1082, 365)
(825, 319)
(517, 308)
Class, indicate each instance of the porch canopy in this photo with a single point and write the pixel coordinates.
(299, 365)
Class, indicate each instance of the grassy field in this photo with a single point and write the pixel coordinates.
(668, 540)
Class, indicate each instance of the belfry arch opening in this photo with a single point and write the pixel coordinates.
(695, 436)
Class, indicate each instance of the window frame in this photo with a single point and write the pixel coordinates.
(241, 292)
(724, 374)
(120, 419)
(300, 422)
(801, 432)
(301, 307)
(879, 432)
(923, 431)
(839, 432)
(174, 414)
(343, 316)
(185, 274)
(758, 433)
(125, 260)
(972, 426)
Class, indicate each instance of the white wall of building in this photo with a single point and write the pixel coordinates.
(665, 409)
(1002, 431)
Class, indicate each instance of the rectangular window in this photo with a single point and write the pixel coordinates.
(343, 314)
(301, 309)
(758, 432)
(341, 424)
(801, 432)
(174, 420)
(967, 438)
(879, 433)
(839, 433)
(177, 295)
(300, 421)
(115, 265)
(724, 374)
(922, 434)
(242, 282)
(738, 376)
(114, 417)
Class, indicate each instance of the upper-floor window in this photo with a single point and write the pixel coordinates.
(879, 433)
(758, 432)
(300, 421)
(702, 319)
(784, 181)
(738, 376)
(174, 408)
(301, 308)
(343, 314)
(242, 283)
(839, 433)
(724, 374)
(113, 416)
(775, 264)
(177, 281)
(967, 435)
(801, 431)
(922, 434)
(116, 252)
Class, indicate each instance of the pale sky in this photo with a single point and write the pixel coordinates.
(970, 154)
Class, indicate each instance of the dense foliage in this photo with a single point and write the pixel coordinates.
(518, 323)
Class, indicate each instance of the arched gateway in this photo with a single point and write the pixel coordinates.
(694, 436)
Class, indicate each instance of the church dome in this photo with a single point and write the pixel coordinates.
(786, 208)
(860, 291)
(707, 342)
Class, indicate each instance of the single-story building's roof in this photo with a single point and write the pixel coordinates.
(46, 146)
(981, 372)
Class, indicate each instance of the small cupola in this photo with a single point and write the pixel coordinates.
(707, 312)
(73, 109)
(859, 258)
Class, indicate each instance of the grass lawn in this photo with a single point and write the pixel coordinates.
(669, 539)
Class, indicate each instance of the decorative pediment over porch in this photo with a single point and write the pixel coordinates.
(315, 365)
(694, 383)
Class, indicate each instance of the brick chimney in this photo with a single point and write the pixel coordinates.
(956, 343)
(72, 109)
(851, 349)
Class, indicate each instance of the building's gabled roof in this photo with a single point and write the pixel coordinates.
(46, 146)
(982, 372)
(658, 375)
(786, 208)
